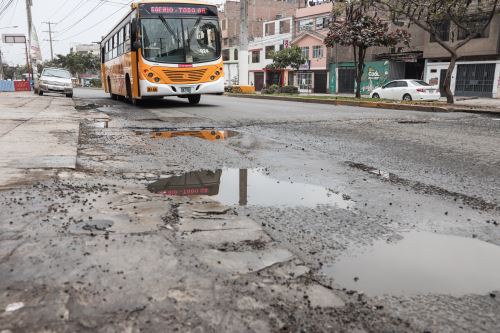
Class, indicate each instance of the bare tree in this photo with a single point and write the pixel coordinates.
(354, 25)
(450, 23)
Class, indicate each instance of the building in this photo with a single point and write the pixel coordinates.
(277, 36)
(477, 72)
(86, 49)
(260, 11)
(310, 29)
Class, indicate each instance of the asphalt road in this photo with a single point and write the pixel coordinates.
(335, 218)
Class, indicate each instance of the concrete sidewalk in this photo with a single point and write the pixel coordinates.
(38, 135)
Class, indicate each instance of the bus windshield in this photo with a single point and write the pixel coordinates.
(180, 40)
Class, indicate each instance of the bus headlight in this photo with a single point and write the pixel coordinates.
(217, 73)
(157, 79)
(212, 78)
(150, 74)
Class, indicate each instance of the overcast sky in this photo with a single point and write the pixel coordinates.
(72, 26)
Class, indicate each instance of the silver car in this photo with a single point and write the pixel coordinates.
(55, 80)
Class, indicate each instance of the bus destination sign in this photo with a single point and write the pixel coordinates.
(178, 10)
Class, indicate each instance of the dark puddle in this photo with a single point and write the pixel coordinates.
(410, 122)
(249, 187)
(421, 263)
(205, 134)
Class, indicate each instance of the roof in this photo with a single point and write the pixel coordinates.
(325, 8)
(313, 34)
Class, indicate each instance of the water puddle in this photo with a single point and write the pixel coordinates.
(205, 134)
(421, 263)
(249, 187)
(101, 124)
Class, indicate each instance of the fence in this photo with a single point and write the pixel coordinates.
(10, 86)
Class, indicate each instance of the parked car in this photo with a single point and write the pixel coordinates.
(407, 90)
(54, 80)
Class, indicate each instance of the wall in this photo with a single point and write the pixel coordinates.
(376, 73)
(310, 41)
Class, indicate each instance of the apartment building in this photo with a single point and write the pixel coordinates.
(259, 12)
(277, 36)
(477, 72)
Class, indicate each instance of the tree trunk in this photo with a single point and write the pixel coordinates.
(447, 81)
(360, 66)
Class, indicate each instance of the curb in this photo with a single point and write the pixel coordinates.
(364, 104)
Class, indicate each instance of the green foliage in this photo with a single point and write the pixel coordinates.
(290, 57)
(289, 90)
(275, 89)
(76, 63)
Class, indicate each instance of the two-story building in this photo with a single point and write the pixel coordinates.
(477, 72)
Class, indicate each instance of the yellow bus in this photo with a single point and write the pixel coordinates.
(164, 48)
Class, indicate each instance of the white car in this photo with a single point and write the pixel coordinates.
(54, 80)
(407, 90)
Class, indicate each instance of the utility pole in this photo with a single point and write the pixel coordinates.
(243, 52)
(28, 51)
(50, 39)
(1, 66)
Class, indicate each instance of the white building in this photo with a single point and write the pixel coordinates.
(86, 49)
(277, 36)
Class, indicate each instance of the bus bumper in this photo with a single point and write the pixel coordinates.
(149, 89)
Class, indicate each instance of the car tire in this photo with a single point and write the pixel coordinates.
(375, 95)
(40, 92)
(69, 95)
(194, 99)
(407, 98)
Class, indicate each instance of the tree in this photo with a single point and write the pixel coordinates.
(470, 19)
(76, 63)
(353, 26)
(289, 57)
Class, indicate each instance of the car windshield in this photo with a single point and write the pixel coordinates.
(176, 40)
(57, 73)
(421, 83)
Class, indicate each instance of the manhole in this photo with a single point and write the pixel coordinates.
(249, 187)
(421, 263)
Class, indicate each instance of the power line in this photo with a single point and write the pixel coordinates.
(4, 9)
(50, 39)
(97, 23)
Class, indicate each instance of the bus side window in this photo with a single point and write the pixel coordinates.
(103, 54)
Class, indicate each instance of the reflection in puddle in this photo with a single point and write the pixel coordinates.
(205, 134)
(249, 187)
(421, 263)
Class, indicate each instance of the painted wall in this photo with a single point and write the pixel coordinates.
(309, 41)
(433, 69)
(376, 73)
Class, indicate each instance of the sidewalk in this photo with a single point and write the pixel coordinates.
(38, 135)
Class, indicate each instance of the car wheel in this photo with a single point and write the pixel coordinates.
(69, 95)
(194, 99)
(407, 98)
(377, 96)
(40, 92)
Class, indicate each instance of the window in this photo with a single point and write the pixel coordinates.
(164, 39)
(402, 84)
(235, 54)
(474, 26)
(392, 84)
(305, 52)
(255, 56)
(225, 55)
(269, 52)
(269, 29)
(306, 25)
(317, 51)
(226, 41)
(127, 31)
(282, 47)
(322, 23)
(304, 80)
(442, 30)
(224, 23)
(421, 83)
(284, 27)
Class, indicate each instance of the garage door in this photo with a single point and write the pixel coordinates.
(347, 77)
(475, 80)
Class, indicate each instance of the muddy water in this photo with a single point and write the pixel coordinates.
(205, 134)
(421, 263)
(249, 187)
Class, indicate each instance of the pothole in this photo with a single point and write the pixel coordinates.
(413, 122)
(420, 263)
(205, 134)
(249, 187)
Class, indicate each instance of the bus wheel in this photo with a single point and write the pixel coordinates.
(130, 98)
(111, 95)
(194, 99)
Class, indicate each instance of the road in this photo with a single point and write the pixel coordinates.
(300, 218)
